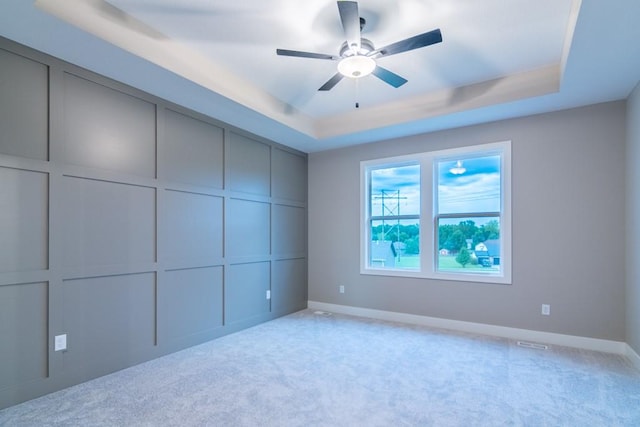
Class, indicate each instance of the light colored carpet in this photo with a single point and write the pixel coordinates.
(307, 369)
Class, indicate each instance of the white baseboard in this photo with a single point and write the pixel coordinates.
(632, 356)
(607, 346)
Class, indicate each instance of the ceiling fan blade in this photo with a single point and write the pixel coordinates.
(350, 22)
(332, 82)
(299, 54)
(389, 77)
(415, 42)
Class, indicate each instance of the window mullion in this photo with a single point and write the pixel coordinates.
(469, 215)
(393, 218)
(427, 203)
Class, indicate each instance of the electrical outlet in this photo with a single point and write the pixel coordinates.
(268, 294)
(60, 342)
(342, 289)
(546, 309)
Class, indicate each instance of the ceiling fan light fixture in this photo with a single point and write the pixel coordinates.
(356, 66)
(458, 169)
(357, 55)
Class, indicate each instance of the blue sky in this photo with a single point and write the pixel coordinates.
(476, 190)
(406, 179)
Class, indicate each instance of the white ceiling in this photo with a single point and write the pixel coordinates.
(498, 59)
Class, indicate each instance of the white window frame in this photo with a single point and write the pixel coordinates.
(428, 203)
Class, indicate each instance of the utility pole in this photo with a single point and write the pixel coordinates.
(390, 207)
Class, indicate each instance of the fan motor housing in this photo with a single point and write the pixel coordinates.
(366, 46)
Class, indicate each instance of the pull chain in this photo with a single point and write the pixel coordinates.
(357, 87)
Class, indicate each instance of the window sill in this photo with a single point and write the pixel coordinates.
(461, 277)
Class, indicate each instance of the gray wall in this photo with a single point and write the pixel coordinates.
(633, 214)
(133, 226)
(568, 227)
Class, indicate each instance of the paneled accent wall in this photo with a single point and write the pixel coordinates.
(132, 226)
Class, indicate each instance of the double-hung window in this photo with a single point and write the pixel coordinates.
(442, 214)
(394, 216)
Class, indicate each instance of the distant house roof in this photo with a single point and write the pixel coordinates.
(398, 247)
(492, 248)
(383, 253)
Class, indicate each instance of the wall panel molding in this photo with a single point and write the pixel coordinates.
(141, 227)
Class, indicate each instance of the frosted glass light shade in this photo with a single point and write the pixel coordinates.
(356, 66)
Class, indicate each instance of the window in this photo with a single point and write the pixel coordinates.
(394, 216)
(443, 214)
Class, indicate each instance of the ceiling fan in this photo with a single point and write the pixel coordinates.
(358, 55)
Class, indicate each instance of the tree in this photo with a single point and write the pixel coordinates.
(444, 233)
(412, 230)
(455, 241)
(412, 245)
(491, 230)
(379, 232)
(463, 257)
(468, 228)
